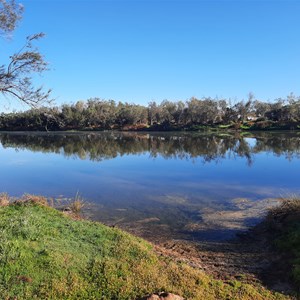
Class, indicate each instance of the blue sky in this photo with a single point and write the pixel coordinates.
(138, 51)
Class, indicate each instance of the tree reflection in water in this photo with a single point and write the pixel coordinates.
(107, 145)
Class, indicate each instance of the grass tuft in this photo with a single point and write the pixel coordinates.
(77, 204)
(35, 199)
(4, 199)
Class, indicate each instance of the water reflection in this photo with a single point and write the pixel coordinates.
(157, 185)
(208, 147)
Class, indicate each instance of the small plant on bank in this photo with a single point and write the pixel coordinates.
(4, 199)
(77, 205)
(34, 199)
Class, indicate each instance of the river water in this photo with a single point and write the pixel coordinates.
(200, 186)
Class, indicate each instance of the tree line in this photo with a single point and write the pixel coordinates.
(99, 114)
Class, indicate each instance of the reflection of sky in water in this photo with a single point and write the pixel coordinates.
(140, 176)
(144, 183)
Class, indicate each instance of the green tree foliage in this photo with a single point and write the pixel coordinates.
(98, 114)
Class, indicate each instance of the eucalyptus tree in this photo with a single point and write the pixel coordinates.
(261, 108)
(153, 113)
(131, 114)
(16, 73)
(101, 113)
(292, 108)
(168, 110)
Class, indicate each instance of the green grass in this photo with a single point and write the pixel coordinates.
(45, 254)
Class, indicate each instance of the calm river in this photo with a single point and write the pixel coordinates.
(157, 185)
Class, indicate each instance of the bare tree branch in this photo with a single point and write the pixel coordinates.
(15, 78)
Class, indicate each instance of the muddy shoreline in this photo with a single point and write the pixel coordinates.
(248, 256)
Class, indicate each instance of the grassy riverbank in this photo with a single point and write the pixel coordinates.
(283, 228)
(45, 254)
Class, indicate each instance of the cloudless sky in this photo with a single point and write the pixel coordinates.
(138, 51)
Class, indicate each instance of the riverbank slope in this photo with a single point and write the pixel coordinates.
(46, 254)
